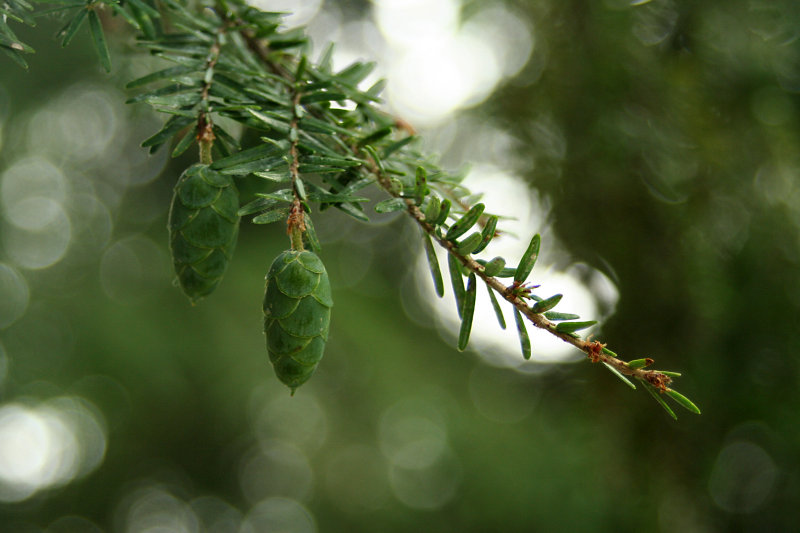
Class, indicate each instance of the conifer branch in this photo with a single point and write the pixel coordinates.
(595, 351)
(516, 294)
(236, 62)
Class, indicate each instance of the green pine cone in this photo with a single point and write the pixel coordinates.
(297, 312)
(203, 226)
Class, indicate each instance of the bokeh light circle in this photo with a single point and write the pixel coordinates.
(47, 445)
(743, 477)
(43, 247)
(14, 295)
(276, 468)
(279, 514)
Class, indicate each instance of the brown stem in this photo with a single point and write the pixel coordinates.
(205, 131)
(296, 221)
(593, 349)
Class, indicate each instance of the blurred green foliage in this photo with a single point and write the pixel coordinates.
(664, 138)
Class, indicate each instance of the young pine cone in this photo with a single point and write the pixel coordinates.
(297, 311)
(203, 226)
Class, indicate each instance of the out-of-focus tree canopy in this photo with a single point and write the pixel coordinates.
(660, 143)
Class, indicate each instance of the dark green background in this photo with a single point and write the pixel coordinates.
(680, 177)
